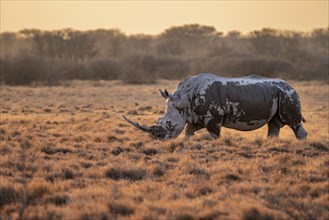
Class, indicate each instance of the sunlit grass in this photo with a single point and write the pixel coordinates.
(67, 153)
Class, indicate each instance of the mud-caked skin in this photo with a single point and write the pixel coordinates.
(247, 103)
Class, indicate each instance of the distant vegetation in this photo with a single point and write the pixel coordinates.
(35, 56)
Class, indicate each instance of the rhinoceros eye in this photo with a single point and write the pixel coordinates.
(180, 110)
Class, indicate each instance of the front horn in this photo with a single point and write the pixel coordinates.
(155, 130)
(141, 127)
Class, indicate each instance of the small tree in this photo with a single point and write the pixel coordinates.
(321, 37)
(233, 34)
(170, 47)
(7, 41)
(271, 42)
(66, 44)
(265, 42)
(187, 37)
(191, 32)
(140, 41)
(110, 43)
(77, 46)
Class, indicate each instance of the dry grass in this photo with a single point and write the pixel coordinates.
(67, 153)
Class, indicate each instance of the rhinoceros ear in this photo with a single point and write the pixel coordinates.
(165, 94)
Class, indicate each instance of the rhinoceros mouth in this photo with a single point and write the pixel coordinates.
(155, 130)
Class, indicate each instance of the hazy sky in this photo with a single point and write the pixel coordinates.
(152, 17)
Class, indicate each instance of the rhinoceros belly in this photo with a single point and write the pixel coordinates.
(244, 126)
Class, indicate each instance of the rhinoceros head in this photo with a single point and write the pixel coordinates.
(171, 124)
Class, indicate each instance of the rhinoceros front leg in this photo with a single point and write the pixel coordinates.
(214, 126)
(274, 126)
(191, 128)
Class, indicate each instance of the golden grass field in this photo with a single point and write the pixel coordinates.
(66, 152)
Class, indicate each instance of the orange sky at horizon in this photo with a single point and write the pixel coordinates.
(152, 17)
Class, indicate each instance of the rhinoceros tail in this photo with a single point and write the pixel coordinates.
(303, 119)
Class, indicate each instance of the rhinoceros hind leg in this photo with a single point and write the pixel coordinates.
(300, 132)
(274, 126)
(191, 128)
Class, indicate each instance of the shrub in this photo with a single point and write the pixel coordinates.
(8, 194)
(103, 68)
(50, 149)
(253, 213)
(205, 190)
(59, 200)
(150, 151)
(171, 68)
(23, 69)
(199, 172)
(67, 173)
(49, 57)
(159, 171)
(232, 177)
(242, 66)
(184, 217)
(320, 146)
(121, 209)
(314, 68)
(74, 70)
(147, 68)
(116, 151)
(138, 69)
(37, 189)
(128, 174)
(170, 47)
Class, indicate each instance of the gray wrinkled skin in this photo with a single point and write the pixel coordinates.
(247, 103)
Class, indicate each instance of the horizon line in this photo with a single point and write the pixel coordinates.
(141, 33)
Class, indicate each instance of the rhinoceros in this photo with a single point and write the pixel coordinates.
(245, 104)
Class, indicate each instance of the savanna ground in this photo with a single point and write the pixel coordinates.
(67, 153)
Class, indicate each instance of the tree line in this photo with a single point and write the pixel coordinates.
(32, 55)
